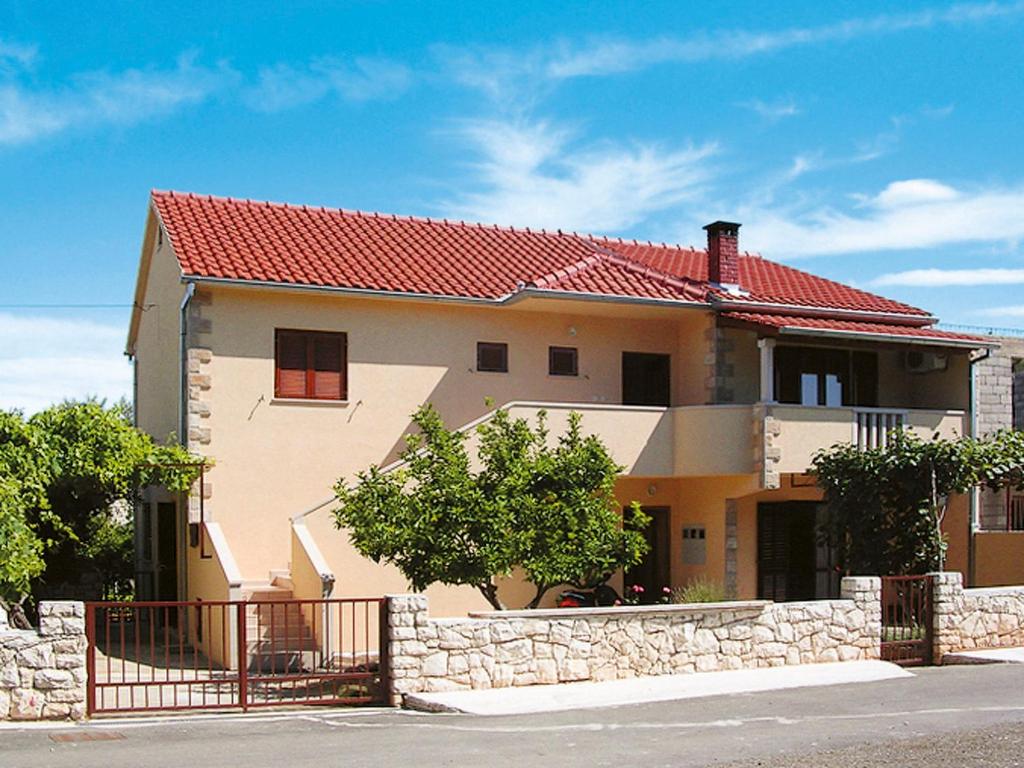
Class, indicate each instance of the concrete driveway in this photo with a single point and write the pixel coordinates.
(937, 707)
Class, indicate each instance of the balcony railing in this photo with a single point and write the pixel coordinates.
(803, 430)
(873, 426)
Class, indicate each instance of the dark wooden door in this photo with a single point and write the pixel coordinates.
(653, 573)
(646, 379)
(792, 561)
(167, 551)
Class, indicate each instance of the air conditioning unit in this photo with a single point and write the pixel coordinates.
(924, 362)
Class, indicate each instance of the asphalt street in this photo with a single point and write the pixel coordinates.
(955, 716)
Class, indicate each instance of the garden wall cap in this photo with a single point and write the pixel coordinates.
(735, 606)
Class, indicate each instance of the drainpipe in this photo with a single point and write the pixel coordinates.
(972, 522)
(190, 290)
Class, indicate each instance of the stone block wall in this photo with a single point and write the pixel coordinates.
(42, 672)
(975, 618)
(996, 385)
(516, 648)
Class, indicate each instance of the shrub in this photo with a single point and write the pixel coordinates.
(699, 590)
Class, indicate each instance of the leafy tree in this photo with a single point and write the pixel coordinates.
(23, 478)
(549, 510)
(887, 504)
(63, 473)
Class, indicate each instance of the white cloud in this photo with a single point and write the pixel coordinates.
(772, 111)
(1012, 311)
(913, 192)
(503, 73)
(126, 97)
(612, 56)
(531, 176)
(908, 214)
(283, 86)
(942, 278)
(44, 360)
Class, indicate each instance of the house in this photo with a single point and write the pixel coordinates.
(290, 344)
(998, 385)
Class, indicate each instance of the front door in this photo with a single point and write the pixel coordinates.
(646, 379)
(167, 551)
(653, 572)
(793, 560)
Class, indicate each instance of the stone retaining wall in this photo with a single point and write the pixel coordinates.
(966, 619)
(42, 672)
(496, 650)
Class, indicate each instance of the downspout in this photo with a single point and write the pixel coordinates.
(190, 290)
(972, 521)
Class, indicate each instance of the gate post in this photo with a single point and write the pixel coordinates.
(384, 650)
(947, 594)
(90, 659)
(243, 654)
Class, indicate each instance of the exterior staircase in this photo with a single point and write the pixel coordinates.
(278, 637)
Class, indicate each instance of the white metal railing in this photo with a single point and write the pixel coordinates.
(873, 426)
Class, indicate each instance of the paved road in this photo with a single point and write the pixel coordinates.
(969, 715)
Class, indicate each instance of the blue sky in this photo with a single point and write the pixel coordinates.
(876, 145)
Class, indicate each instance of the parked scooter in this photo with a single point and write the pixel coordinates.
(602, 595)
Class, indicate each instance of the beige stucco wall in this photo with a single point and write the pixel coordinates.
(208, 581)
(713, 440)
(157, 388)
(998, 558)
(274, 459)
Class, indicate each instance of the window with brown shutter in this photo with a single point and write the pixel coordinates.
(563, 361)
(311, 365)
(492, 356)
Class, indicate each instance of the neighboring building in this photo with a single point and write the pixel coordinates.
(290, 344)
(999, 404)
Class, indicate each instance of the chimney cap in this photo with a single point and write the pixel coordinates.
(726, 227)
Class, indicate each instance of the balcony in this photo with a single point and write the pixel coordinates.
(717, 440)
(792, 434)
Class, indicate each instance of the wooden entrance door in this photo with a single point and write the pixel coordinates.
(646, 379)
(653, 573)
(793, 561)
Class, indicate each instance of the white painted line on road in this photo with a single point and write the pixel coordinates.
(443, 721)
(150, 721)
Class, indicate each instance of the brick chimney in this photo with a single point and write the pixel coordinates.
(723, 253)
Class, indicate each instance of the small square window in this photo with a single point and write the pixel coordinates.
(492, 357)
(563, 361)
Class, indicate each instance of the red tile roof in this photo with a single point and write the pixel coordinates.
(299, 245)
(776, 322)
(765, 281)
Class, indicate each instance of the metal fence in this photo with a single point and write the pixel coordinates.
(149, 656)
(907, 620)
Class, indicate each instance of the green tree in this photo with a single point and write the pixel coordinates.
(887, 504)
(23, 478)
(63, 473)
(549, 510)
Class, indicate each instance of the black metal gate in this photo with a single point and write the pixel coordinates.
(151, 656)
(907, 620)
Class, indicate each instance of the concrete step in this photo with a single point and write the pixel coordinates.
(266, 593)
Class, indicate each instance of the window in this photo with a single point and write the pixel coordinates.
(829, 377)
(311, 365)
(492, 357)
(563, 361)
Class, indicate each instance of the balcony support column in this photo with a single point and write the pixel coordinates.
(767, 347)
